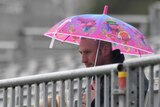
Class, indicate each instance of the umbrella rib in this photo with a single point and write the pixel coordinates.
(53, 37)
(66, 38)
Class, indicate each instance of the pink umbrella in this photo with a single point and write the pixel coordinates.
(101, 27)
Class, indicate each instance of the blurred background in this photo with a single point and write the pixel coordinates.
(25, 51)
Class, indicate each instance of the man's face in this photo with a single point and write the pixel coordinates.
(88, 49)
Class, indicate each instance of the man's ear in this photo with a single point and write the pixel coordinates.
(105, 51)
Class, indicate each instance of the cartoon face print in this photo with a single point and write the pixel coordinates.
(123, 35)
(103, 32)
(127, 49)
(111, 36)
(87, 23)
(113, 27)
(71, 29)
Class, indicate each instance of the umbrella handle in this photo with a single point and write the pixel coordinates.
(95, 62)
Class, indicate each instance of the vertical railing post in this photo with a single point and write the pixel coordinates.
(114, 86)
(159, 87)
(53, 94)
(45, 94)
(13, 96)
(71, 94)
(36, 95)
(29, 96)
(88, 92)
(131, 87)
(62, 94)
(97, 94)
(80, 93)
(122, 87)
(151, 93)
(20, 96)
(107, 94)
(141, 87)
(5, 97)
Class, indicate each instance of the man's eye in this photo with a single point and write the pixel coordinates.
(80, 52)
(84, 52)
(87, 52)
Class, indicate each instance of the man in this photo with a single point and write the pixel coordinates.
(90, 49)
(95, 53)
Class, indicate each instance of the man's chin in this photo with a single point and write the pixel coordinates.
(87, 66)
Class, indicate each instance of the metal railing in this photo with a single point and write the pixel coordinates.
(69, 85)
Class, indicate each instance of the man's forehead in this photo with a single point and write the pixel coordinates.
(87, 44)
(88, 41)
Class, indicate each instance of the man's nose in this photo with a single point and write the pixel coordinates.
(84, 59)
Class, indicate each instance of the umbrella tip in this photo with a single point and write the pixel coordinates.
(105, 9)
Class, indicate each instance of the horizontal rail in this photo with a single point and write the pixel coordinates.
(63, 75)
(55, 76)
(142, 61)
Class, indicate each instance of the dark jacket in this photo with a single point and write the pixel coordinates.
(117, 57)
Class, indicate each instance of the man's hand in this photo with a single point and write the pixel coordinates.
(84, 98)
(50, 100)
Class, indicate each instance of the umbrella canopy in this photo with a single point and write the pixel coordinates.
(101, 27)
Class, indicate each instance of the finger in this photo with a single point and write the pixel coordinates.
(83, 105)
(84, 97)
(92, 95)
(84, 100)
